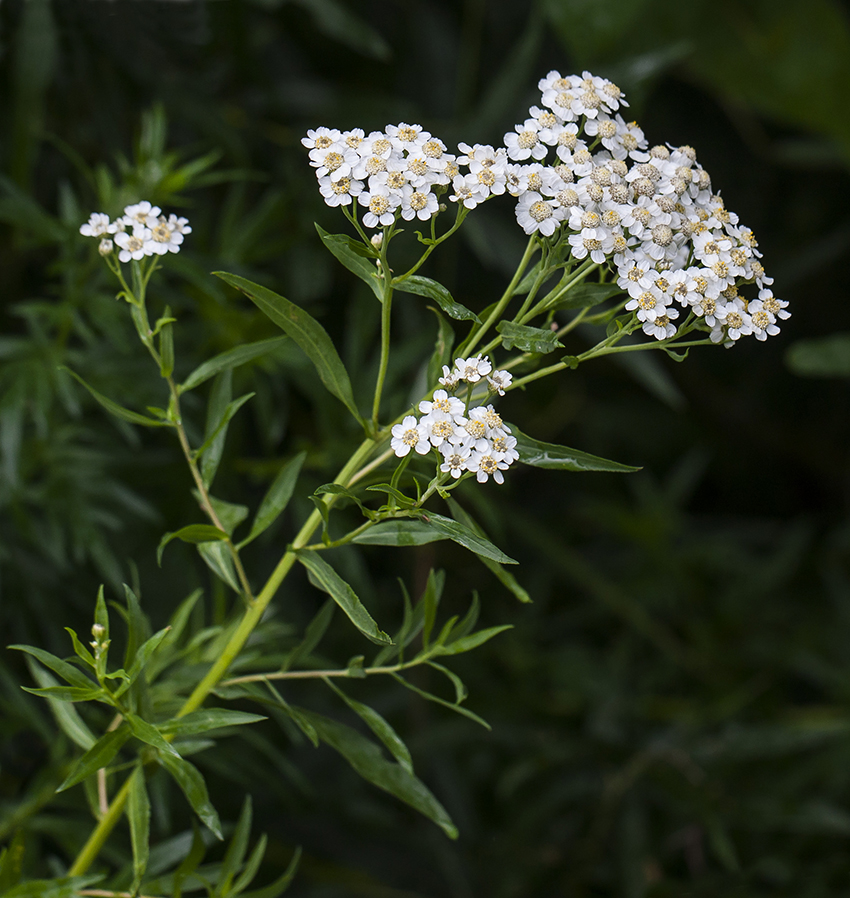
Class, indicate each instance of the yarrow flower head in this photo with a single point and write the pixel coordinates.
(141, 231)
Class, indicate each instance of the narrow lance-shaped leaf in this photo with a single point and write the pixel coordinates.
(350, 253)
(421, 286)
(548, 455)
(528, 339)
(189, 778)
(99, 755)
(218, 433)
(277, 497)
(378, 726)
(310, 336)
(466, 537)
(194, 533)
(506, 578)
(327, 579)
(230, 359)
(67, 671)
(236, 848)
(139, 815)
(206, 719)
(399, 533)
(313, 634)
(281, 884)
(442, 354)
(366, 758)
(150, 735)
(69, 721)
(114, 408)
(428, 696)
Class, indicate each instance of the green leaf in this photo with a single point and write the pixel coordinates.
(67, 693)
(230, 514)
(145, 652)
(63, 887)
(67, 718)
(548, 455)
(460, 689)
(465, 537)
(430, 602)
(281, 884)
(11, 862)
(236, 849)
(150, 735)
(101, 613)
(421, 286)
(194, 533)
(218, 559)
(220, 397)
(390, 490)
(310, 336)
(820, 356)
(277, 498)
(139, 815)
(80, 650)
(467, 643)
(528, 339)
(98, 756)
(326, 578)
(349, 252)
(313, 634)
(584, 295)
(378, 726)
(113, 408)
(189, 778)
(251, 867)
(366, 758)
(166, 344)
(217, 434)
(506, 578)
(232, 358)
(398, 533)
(206, 719)
(68, 672)
(441, 701)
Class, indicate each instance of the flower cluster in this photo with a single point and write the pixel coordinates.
(474, 440)
(577, 168)
(141, 231)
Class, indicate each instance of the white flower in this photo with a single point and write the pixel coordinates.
(409, 435)
(524, 142)
(419, 204)
(381, 205)
(97, 225)
(534, 214)
(164, 238)
(455, 459)
(504, 445)
(321, 138)
(135, 245)
(472, 369)
(442, 404)
(773, 305)
(142, 213)
(499, 381)
(486, 464)
(660, 327)
(762, 321)
(341, 191)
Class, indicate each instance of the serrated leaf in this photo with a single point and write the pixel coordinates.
(194, 533)
(277, 498)
(327, 579)
(206, 719)
(465, 537)
(139, 815)
(528, 339)
(379, 726)
(230, 359)
(562, 458)
(398, 533)
(366, 758)
(189, 779)
(347, 251)
(585, 296)
(114, 408)
(99, 755)
(421, 286)
(310, 336)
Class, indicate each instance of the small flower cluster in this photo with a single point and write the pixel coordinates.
(141, 231)
(576, 166)
(467, 439)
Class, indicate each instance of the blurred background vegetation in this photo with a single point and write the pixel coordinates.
(671, 716)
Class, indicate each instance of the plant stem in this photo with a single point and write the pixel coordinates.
(317, 674)
(386, 308)
(475, 337)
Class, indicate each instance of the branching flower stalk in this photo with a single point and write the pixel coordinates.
(592, 197)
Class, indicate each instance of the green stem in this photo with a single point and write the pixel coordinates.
(475, 337)
(317, 674)
(386, 310)
(462, 212)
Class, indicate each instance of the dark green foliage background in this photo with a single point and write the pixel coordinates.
(670, 717)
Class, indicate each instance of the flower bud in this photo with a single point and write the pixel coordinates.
(377, 240)
(105, 246)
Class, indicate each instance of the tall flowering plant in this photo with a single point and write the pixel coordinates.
(628, 245)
